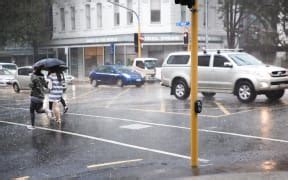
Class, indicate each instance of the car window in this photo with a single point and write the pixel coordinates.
(5, 72)
(9, 66)
(219, 61)
(150, 64)
(244, 59)
(140, 64)
(203, 60)
(24, 72)
(178, 59)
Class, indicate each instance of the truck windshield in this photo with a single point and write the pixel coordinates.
(244, 59)
(150, 64)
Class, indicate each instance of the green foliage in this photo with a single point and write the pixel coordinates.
(255, 21)
(24, 22)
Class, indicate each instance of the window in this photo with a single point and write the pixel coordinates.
(183, 13)
(25, 72)
(73, 24)
(181, 59)
(203, 60)
(155, 6)
(99, 15)
(62, 19)
(88, 16)
(140, 64)
(116, 14)
(219, 61)
(129, 13)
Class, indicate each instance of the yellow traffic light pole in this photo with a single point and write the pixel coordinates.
(194, 84)
(139, 36)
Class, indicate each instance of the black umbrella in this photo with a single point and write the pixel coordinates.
(48, 63)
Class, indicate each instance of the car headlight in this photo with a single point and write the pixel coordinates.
(126, 76)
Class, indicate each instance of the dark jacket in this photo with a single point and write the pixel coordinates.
(38, 86)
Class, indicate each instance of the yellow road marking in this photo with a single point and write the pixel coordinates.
(222, 108)
(22, 178)
(112, 163)
(116, 97)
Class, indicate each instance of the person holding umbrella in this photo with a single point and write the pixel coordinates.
(55, 86)
(38, 86)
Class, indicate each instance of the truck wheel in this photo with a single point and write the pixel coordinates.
(275, 95)
(208, 94)
(245, 92)
(181, 90)
(16, 88)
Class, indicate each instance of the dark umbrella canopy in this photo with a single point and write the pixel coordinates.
(48, 63)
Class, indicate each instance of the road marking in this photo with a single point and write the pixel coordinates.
(135, 126)
(116, 97)
(109, 141)
(21, 178)
(222, 108)
(113, 163)
(155, 124)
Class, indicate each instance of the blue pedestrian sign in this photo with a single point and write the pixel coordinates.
(181, 24)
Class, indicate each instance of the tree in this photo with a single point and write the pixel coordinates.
(257, 20)
(25, 22)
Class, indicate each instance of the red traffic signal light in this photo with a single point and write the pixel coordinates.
(189, 3)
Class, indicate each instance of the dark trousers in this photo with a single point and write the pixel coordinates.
(61, 100)
(35, 106)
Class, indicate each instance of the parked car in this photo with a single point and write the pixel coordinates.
(6, 77)
(224, 71)
(115, 74)
(23, 78)
(147, 67)
(9, 66)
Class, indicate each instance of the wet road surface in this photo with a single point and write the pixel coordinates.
(140, 133)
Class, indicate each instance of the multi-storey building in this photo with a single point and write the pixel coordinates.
(87, 33)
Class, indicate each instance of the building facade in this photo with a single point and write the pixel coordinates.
(88, 33)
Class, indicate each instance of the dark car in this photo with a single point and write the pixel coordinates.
(114, 74)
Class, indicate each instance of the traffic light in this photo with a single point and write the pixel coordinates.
(186, 37)
(136, 42)
(189, 3)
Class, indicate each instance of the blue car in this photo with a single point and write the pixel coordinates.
(115, 74)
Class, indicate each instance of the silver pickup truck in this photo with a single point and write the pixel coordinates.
(234, 72)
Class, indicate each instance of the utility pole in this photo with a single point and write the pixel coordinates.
(195, 105)
(138, 20)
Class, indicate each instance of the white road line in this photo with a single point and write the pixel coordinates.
(222, 108)
(173, 126)
(110, 142)
(113, 163)
(21, 178)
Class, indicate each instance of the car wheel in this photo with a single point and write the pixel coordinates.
(94, 83)
(181, 90)
(245, 92)
(138, 85)
(120, 83)
(16, 88)
(208, 94)
(275, 95)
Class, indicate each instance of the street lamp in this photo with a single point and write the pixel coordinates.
(138, 20)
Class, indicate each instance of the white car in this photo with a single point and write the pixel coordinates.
(6, 77)
(23, 79)
(147, 67)
(224, 71)
(9, 66)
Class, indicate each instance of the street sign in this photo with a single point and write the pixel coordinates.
(181, 24)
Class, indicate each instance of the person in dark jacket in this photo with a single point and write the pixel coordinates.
(38, 87)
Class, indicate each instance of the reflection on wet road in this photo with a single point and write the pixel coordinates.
(140, 132)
